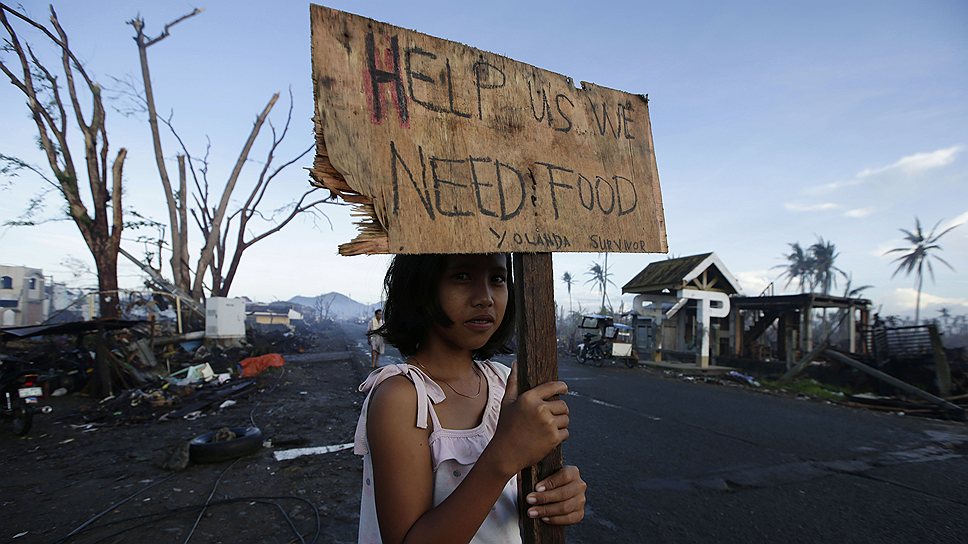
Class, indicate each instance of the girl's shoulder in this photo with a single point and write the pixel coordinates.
(396, 390)
(499, 369)
(400, 387)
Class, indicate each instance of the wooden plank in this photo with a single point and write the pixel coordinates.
(446, 148)
(950, 407)
(537, 364)
(797, 368)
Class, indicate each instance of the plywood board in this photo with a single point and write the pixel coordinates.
(446, 148)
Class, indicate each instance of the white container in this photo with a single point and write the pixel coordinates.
(224, 317)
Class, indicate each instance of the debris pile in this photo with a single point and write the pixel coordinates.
(146, 371)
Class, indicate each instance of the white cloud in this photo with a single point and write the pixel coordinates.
(908, 165)
(819, 207)
(959, 220)
(919, 162)
(831, 187)
(858, 212)
(753, 282)
(906, 297)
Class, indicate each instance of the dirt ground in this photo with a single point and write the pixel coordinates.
(71, 481)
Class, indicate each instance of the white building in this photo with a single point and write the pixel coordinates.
(22, 296)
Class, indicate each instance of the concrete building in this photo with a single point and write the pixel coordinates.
(680, 307)
(22, 296)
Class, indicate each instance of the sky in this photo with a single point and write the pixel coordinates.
(773, 123)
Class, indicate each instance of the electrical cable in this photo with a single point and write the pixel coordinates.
(258, 402)
(203, 507)
(113, 506)
(208, 500)
(191, 508)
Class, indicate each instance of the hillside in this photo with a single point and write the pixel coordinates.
(336, 306)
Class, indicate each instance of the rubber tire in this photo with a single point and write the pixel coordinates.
(202, 450)
(599, 358)
(582, 355)
(23, 419)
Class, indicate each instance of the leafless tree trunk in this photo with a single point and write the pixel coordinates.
(177, 214)
(102, 232)
(217, 260)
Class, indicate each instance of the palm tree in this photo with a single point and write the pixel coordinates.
(822, 256)
(600, 278)
(945, 319)
(922, 249)
(568, 279)
(799, 267)
(854, 292)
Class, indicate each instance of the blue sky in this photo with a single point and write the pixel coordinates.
(774, 122)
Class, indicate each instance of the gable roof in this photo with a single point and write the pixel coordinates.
(675, 274)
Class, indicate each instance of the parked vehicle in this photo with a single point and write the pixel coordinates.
(622, 340)
(19, 393)
(591, 350)
(609, 342)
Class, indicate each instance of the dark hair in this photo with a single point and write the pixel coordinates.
(412, 307)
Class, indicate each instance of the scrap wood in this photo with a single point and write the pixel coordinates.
(885, 408)
(876, 400)
(208, 396)
(951, 408)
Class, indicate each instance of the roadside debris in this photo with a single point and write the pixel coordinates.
(225, 444)
(285, 455)
(253, 366)
(743, 378)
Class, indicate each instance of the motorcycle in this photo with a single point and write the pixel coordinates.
(19, 393)
(591, 350)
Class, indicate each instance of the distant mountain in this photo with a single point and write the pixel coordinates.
(336, 306)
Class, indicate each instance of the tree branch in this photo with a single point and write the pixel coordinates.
(167, 30)
(212, 239)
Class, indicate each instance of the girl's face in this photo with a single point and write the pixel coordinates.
(473, 293)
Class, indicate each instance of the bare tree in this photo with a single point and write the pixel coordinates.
(42, 88)
(226, 234)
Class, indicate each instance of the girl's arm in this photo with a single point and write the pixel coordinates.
(403, 473)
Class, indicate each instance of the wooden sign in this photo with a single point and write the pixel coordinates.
(449, 149)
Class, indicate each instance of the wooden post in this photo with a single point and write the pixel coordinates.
(537, 364)
(102, 363)
(737, 333)
(781, 339)
(941, 368)
(797, 368)
(852, 329)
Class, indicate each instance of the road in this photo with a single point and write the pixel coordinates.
(671, 460)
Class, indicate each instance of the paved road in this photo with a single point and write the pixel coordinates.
(675, 461)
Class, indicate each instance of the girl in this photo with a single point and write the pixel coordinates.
(444, 435)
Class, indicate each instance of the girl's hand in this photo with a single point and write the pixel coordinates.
(531, 425)
(559, 499)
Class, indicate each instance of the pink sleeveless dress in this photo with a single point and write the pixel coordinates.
(453, 452)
